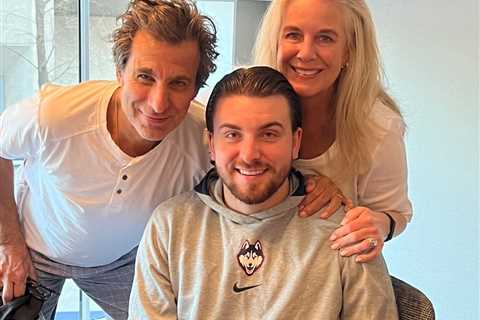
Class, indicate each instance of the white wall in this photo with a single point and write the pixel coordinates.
(430, 53)
(248, 15)
(222, 14)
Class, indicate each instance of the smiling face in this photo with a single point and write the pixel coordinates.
(157, 86)
(253, 146)
(311, 46)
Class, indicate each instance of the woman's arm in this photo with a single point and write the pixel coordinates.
(381, 192)
(322, 194)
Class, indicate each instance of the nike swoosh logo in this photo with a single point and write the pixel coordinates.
(238, 289)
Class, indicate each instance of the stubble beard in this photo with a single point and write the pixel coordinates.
(257, 193)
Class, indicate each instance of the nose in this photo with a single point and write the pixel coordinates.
(250, 150)
(306, 50)
(158, 98)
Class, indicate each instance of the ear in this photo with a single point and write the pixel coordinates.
(297, 140)
(195, 93)
(211, 146)
(258, 246)
(346, 57)
(119, 76)
(245, 245)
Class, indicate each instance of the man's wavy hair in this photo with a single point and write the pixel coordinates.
(172, 21)
(257, 81)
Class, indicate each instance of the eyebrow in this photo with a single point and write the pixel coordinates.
(325, 30)
(330, 31)
(150, 72)
(145, 70)
(265, 126)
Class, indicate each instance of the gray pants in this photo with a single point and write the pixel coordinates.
(109, 285)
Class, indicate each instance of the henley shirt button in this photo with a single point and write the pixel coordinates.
(125, 177)
(119, 191)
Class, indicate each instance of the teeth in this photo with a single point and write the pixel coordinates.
(246, 172)
(306, 72)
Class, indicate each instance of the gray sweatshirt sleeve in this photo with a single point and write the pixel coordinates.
(367, 290)
(152, 296)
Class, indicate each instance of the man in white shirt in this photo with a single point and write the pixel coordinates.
(99, 156)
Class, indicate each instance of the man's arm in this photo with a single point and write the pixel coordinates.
(15, 262)
(367, 290)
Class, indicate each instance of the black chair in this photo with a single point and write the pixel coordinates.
(412, 304)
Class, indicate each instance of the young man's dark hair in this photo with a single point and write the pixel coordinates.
(257, 81)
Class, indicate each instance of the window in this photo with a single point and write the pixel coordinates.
(32, 50)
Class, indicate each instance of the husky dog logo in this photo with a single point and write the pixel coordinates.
(250, 257)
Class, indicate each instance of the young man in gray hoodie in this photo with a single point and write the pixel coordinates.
(234, 248)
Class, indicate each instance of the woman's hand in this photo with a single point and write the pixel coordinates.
(322, 193)
(362, 232)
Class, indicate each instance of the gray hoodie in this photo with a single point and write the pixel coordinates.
(199, 259)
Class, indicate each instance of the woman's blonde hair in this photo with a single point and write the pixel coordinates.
(359, 84)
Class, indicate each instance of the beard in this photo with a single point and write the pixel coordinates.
(255, 192)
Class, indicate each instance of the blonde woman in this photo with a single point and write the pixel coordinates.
(352, 130)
